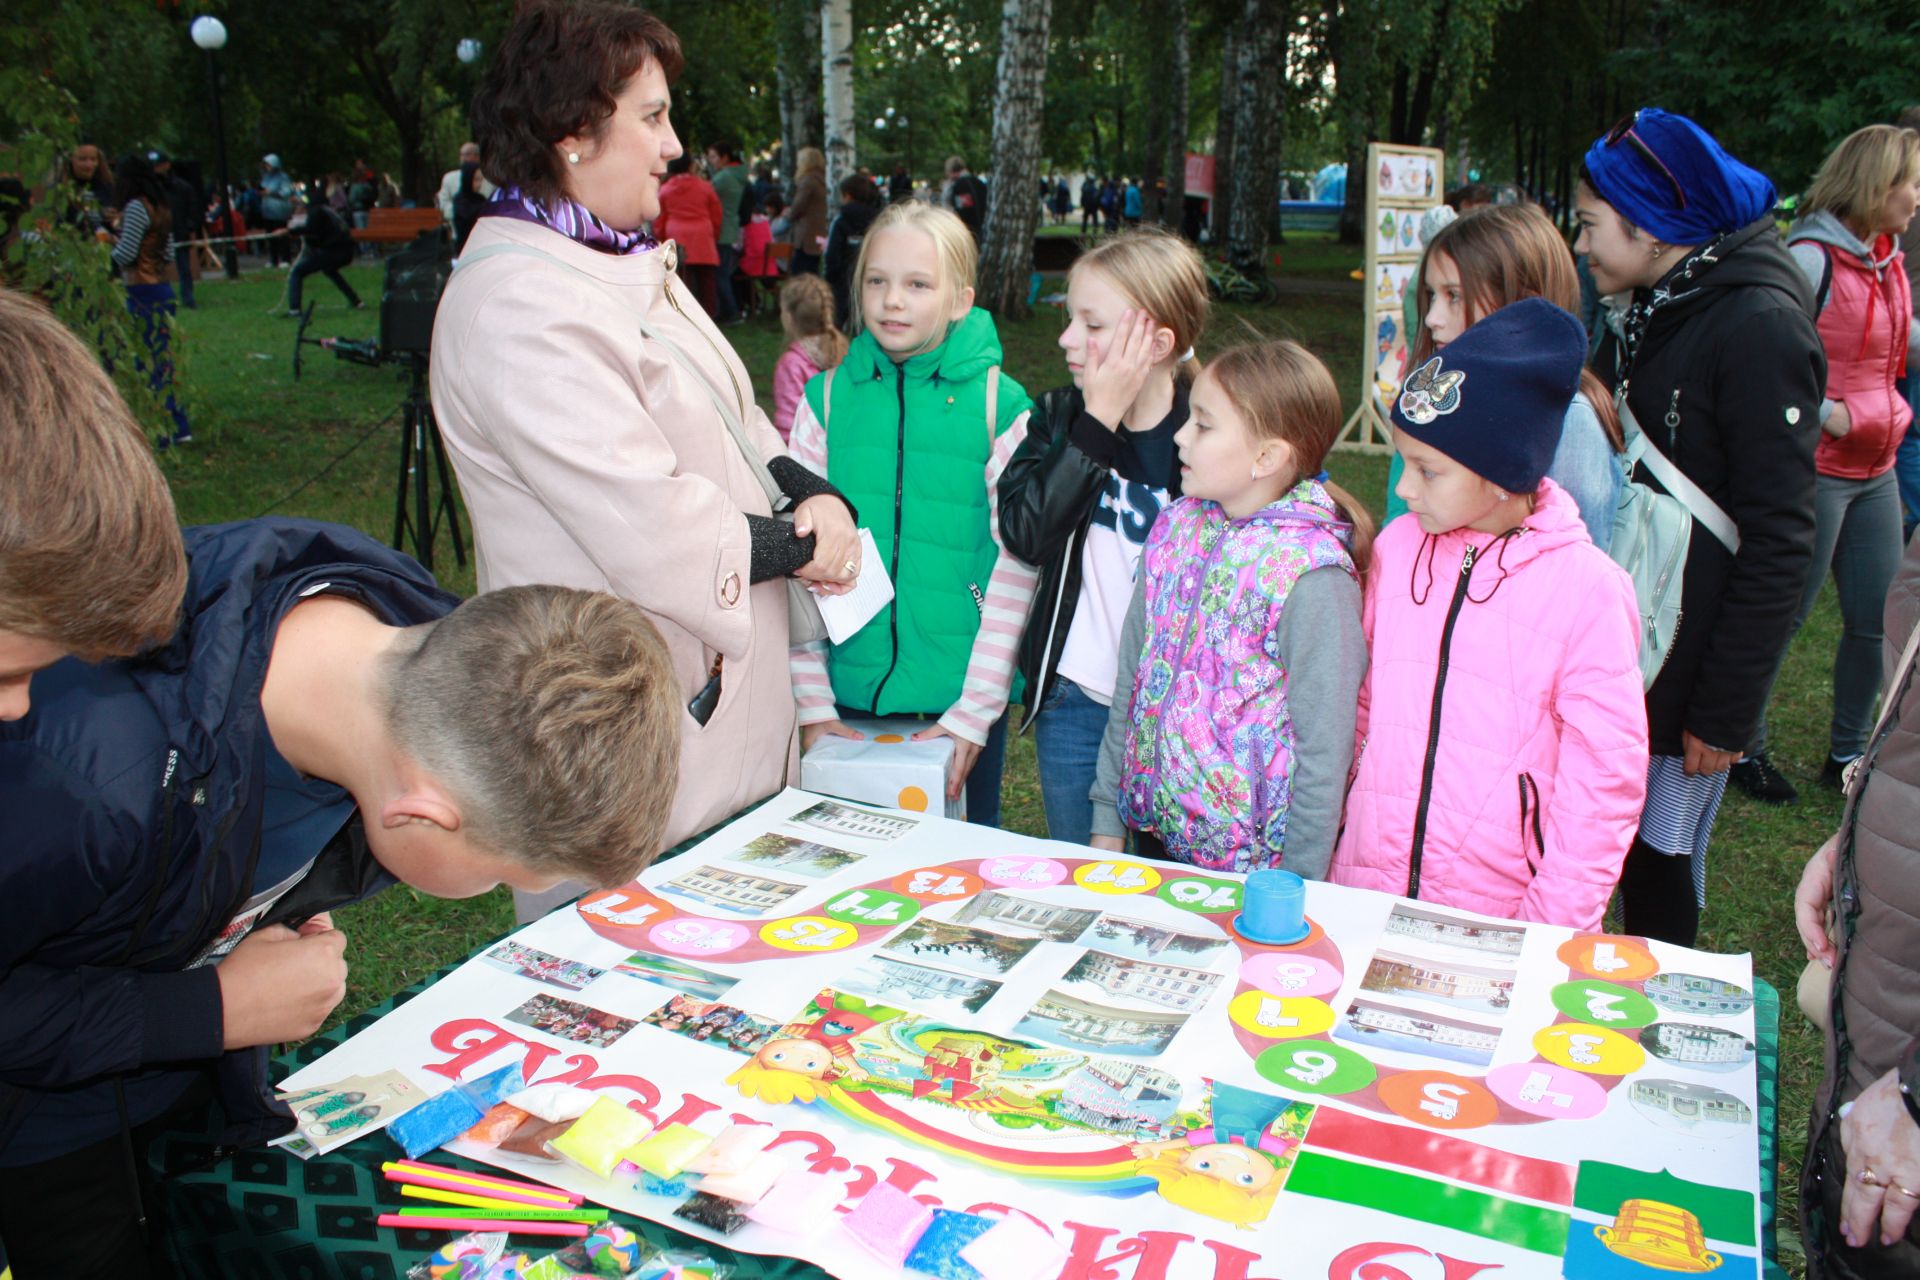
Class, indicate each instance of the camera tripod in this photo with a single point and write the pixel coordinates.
(415, 511)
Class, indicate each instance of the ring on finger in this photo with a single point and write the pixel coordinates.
(1908, 1192)
(853, 566)
(1867, 1177)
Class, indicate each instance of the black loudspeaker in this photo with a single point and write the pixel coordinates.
(416, 276)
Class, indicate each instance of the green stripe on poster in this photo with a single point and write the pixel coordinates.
(1724, 1214)
(1407, 1195)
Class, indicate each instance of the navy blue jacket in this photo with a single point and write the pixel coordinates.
(133, 794)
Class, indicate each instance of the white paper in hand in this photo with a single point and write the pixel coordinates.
(844, 615)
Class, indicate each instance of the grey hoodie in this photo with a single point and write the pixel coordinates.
(1805, 241)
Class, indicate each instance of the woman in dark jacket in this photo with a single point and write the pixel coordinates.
(859, 206)
(1719, 361)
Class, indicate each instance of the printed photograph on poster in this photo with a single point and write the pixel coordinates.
(706, 1020)
(846, 820)
(932, 991)
(1471, 988)
(958, 946)
(574, 1023)
(1390, 354)
(676, 975)
(1683, 1044)
(1462, 933)
(1698, 1109)
(1397, 232)
(797, 857)
(1074, 1023)
(1027, 917)
(1159, 984)
(1391, 282)
(1429, 1035)
(1406, 177)
(740, 893)
(1144, 940)
(331, 1115)
(1696, 996)
(568, 975)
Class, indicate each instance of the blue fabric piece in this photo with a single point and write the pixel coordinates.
(1722, 194)
(1495, 399)
(937, 1253)
(440, 1120)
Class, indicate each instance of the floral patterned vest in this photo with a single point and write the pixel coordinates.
(1209, 749)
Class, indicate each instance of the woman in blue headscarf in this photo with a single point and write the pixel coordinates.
(1711, 344)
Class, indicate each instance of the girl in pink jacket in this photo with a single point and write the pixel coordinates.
(814, 345)
(1502, 732)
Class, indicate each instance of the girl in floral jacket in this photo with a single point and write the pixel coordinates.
(1233, 749)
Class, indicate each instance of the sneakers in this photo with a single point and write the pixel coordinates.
(1833, 774)
(1758, 778)
(282, 313)
(173, 441)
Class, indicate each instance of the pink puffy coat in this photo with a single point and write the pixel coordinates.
(1513, 753)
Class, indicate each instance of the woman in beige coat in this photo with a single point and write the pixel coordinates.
(807, 215)
(585, 397)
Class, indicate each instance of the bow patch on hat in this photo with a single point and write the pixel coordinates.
(1430, 393)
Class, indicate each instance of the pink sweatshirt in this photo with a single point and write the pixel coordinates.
(1538, 732)
(790, 377)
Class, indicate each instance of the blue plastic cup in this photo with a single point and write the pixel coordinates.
(1275, 910)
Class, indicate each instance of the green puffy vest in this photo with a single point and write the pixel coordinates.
(907, 443)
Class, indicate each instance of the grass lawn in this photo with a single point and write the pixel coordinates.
(327, 447)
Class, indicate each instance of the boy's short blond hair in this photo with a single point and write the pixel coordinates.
(90, 554)
(552, 718)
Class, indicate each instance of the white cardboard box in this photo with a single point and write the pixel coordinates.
(885, 768)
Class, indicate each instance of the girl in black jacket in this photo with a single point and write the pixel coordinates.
(1717, 356)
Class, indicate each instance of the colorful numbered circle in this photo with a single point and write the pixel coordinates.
(1608, 956)
(814, 934)
(1018, 870)
(631, 907)
(1280, 1017)
(688, 936)
(1316, 1066)
(1584, 1047)
(1195, 893)
(1604, 1004)
(1116, 877)
(872, 906)
(1542, 1089)
(1280, 974)
(1439, 1100)
(937, 884)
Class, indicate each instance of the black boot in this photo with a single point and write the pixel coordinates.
(1758, 778)
(1656, 896)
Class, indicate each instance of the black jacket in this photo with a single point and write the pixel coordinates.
(134, 793)
(1047, 498)
(327, 234)
(844, 237)
(1727, 382)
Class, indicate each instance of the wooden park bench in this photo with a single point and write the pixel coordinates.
(398, 226)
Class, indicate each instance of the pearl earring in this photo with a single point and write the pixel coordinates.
(1501, 494)
(573, 157)
(1253, 473)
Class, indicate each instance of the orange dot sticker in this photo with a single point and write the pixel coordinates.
(888, 737)
(937, 884)
(911, 798)
(1595, 1050)
(1609, 956)
(1116, 877)
(1439, 1099)
(815, 934)
(1280, 1017)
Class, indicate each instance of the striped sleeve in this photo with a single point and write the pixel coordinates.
(808, 441)
(1003, 616)
(134, 221)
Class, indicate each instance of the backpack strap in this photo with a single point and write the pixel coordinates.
(826, 399)
(1825, 289)
(993, 407)
(1642, 449)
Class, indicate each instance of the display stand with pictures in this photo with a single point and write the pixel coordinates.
(1402, 184)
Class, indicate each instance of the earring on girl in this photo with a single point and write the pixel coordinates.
(573, 157)
(1500, 494)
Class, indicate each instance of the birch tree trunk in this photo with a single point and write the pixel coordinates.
(1260, 74)
(1221, 214)
(1007, 240)
(836, 52)
(1179, 70)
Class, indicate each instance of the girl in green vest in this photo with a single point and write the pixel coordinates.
(915, 427)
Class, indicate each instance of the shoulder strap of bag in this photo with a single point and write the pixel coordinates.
(993, 406)
(1641, 448)
(727, 415)
(826, 399)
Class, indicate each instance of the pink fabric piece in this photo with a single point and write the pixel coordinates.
(888, 1223)
(736, 1145)
(799, 1202)
(750, 1183)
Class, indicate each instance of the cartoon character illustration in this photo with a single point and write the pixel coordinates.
(1233, 1168)
(798, 1064)
(1389, 331)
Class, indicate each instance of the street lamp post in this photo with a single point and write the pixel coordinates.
(210, 34)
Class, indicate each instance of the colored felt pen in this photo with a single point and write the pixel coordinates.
(531, 1215)
(485, 1224)
(462, 1198)
(497, 1194)
(482, 1180)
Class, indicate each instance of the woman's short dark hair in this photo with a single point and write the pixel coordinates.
(559, 70)
(860, 188)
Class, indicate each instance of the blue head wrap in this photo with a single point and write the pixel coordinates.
(1720, 193)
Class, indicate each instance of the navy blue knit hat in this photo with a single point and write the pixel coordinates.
(1494, 399)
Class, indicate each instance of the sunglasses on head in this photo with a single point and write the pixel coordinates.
(1624, 132)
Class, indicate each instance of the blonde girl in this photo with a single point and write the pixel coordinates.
(1231, 751)
(1098, 466)
(1481, 262)
(814, 344)
(915, 427)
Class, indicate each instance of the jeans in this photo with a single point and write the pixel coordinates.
(1906, 463)
(183, 266)
(983, 783)
(1066, 738)
(326, 262)
(153, 306)
(1857, 533)
(729, 263)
